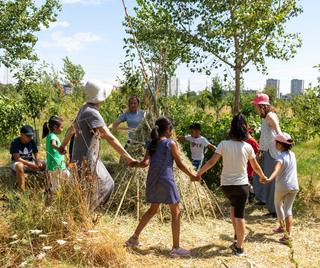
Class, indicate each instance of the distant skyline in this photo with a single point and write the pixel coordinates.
(90, 33)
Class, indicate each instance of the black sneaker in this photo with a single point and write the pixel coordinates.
(238, 251)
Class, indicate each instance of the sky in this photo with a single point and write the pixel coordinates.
(90, 33)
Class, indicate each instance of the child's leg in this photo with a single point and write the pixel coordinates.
(278, 201)
(154, 208)
(20, 176)
(288, 202)
(175, 214)
(240, 231)
(233, 220)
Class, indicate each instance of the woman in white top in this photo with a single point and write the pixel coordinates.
(269, 130)
(132, 116)
(234, 177)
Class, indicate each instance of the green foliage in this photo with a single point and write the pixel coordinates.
(19, 20)
(271, 91)
(235, 33)
(12, 118)
(73, 76)
(246, 107)
(217, 94)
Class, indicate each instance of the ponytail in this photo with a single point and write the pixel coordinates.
(161, 125)
(48, 126)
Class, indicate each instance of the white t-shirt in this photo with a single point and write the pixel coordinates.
(235, 155)
(287, 179)
(197, 146)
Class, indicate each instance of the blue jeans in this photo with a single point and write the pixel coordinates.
(196, 164)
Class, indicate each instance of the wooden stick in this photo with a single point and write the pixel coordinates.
(192, 210)
(209, 201)
(199, 200)
(138, 200)
(124, 194)
(214, 199)
(184, 205)
(115, 194)
(160, 214)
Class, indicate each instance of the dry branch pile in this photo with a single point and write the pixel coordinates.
(129, 196)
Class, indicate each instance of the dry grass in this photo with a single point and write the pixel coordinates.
(209, 243)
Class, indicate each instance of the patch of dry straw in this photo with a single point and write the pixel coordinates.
(129, 195)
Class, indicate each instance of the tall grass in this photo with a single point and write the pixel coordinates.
(69, 232)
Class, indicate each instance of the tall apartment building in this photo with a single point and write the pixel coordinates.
(276, 84)
(297, 86)
(174, 86)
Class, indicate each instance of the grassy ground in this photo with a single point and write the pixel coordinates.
(208, 240)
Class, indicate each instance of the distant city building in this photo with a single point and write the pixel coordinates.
(297, 86)
(276, 84)
(248, 91)
(174, 86)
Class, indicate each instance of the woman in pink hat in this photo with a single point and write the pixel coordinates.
(269, 130)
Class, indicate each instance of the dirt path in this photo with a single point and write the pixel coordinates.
(209, 243)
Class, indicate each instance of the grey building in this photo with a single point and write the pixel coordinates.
(174, 86)
(276, 84)
(297, 86)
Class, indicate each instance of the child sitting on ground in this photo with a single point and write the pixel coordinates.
(286, 187)
(161, 187)
(197, 145)
(22, 160)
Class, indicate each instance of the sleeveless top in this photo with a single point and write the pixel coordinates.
(267, 135)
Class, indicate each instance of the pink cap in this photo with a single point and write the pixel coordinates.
(283, 137)
(261, 99)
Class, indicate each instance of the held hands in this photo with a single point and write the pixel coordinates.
(62, 150)
(264, 180)
(132, 163)
(195, 177)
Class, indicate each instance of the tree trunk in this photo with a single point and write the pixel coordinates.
(237, 92)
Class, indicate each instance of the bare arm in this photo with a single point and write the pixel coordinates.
(273, 122)
(180, 165)
(274, 173)
(211, 146)
(256, 167)
(107, 135)
(115, 123)
(144, 163)
(212, 161)
(179, 137)
(62, 149)
(54, 144)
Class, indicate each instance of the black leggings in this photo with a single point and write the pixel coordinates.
(237, 195)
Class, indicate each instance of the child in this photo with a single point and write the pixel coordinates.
(250, 171)
(286, 186)
(197, 145)
(161, 187)
(55, 161)
(234, 177)
(21, 150)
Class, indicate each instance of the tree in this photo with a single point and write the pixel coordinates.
(19, 20)
(73, 75)
(35, 98)
(271, 91)
(233, 32)
(217, 94)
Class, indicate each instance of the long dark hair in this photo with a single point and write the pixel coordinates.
(48, 126)
(239, 129)
(161, 125)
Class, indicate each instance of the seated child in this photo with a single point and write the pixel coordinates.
(197, 145)
(22, 160)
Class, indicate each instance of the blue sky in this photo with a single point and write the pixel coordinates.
(90, 33)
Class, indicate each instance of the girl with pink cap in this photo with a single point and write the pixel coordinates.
(269, 130)
(286, 186)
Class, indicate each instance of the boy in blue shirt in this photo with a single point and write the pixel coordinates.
(22, 149)
(197, 145)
